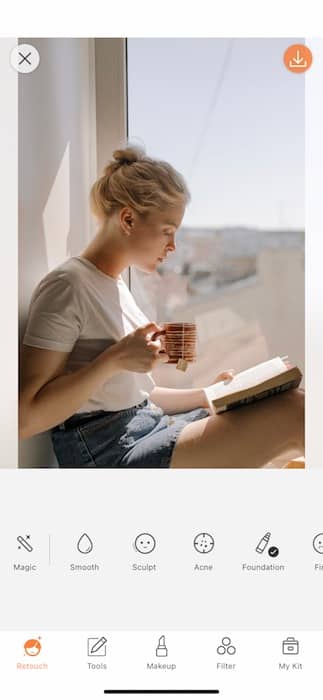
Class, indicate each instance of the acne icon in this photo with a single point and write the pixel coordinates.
(204, 543)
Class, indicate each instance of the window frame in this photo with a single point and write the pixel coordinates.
(111, 91)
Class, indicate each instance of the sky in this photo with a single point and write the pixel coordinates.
(231, 118)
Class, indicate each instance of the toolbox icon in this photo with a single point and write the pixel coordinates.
(290, 646)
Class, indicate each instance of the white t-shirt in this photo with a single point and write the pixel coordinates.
(77, 308)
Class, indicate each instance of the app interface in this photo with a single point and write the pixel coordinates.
(161, 510)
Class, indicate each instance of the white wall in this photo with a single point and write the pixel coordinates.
(8, 284)
(57, 164)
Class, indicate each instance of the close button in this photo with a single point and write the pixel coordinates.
(24, 58)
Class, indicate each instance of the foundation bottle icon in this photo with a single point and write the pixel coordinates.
(261, 546)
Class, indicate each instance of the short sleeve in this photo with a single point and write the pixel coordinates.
(55, 317)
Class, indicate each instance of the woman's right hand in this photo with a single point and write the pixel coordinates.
(138, 351)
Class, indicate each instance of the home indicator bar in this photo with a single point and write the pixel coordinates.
(159, 691)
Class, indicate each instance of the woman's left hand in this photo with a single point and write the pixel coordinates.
(227, 375)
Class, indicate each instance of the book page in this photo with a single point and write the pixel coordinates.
(246, 379)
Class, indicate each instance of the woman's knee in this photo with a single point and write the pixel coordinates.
(294, 401)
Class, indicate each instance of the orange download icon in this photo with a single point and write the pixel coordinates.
(298, 58)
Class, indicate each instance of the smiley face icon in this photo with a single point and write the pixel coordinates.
(145, 543)
(32, 647)
(203, 543)
(318, 543)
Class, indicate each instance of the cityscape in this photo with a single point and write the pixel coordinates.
(244, 288)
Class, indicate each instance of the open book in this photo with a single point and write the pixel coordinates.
(256, 383)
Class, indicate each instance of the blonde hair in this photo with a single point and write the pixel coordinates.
(133, 179)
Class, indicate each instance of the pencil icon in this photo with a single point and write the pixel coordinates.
(95, 645)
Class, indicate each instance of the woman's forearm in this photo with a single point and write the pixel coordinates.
(178, 400)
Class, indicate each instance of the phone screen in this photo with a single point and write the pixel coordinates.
(162, 526)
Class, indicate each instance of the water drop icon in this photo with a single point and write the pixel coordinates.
(85, 544)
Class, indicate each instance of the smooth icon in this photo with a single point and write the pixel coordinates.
(161, 647)
(24, 542)
(85, 544)
(145, 543)
(226, 647)
(24, 58)
(298, 58)
(97, 646)
(290, 646)
(204, 543)
(318, 543)
(32, 647)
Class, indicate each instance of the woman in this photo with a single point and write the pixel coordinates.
(88, 349)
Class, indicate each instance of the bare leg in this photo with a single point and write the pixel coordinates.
(248, 437)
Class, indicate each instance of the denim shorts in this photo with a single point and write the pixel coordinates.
(142, 436)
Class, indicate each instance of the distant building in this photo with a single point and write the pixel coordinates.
(213, 257)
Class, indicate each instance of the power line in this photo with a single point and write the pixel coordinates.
(212, 106)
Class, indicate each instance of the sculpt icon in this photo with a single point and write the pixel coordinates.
(204, 543)
(145, 543)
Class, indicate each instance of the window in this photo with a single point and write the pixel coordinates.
(230, 117)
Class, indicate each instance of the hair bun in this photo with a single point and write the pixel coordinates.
(150, 184)
(127, 156)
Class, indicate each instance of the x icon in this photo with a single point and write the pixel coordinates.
(24, 58)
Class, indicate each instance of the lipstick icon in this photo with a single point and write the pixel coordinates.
(261, 546)
(161, 647)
